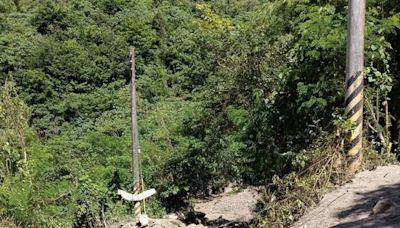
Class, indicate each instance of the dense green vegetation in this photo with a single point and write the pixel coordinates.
(229, 91)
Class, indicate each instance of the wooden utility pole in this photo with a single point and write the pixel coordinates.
(135, 138)
(355, 79)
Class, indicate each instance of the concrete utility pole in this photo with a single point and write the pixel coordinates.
(135, 138)
(354, 79)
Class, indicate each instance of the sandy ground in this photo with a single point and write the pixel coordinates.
(351, 205)
(233, 205)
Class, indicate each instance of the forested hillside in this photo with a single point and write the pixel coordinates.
(229, 91)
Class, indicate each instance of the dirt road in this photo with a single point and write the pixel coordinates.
(351, 205)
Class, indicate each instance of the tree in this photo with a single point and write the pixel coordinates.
(14, 116)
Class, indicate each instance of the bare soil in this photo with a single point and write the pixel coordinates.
(352, 204)
(233, 208)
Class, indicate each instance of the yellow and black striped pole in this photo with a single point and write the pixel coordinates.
(355, 79)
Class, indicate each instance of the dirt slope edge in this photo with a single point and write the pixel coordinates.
(351, 204)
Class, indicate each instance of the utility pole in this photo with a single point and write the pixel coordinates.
(355, 80)
(135, 138)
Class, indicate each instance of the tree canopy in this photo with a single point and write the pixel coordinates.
(228, 91)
